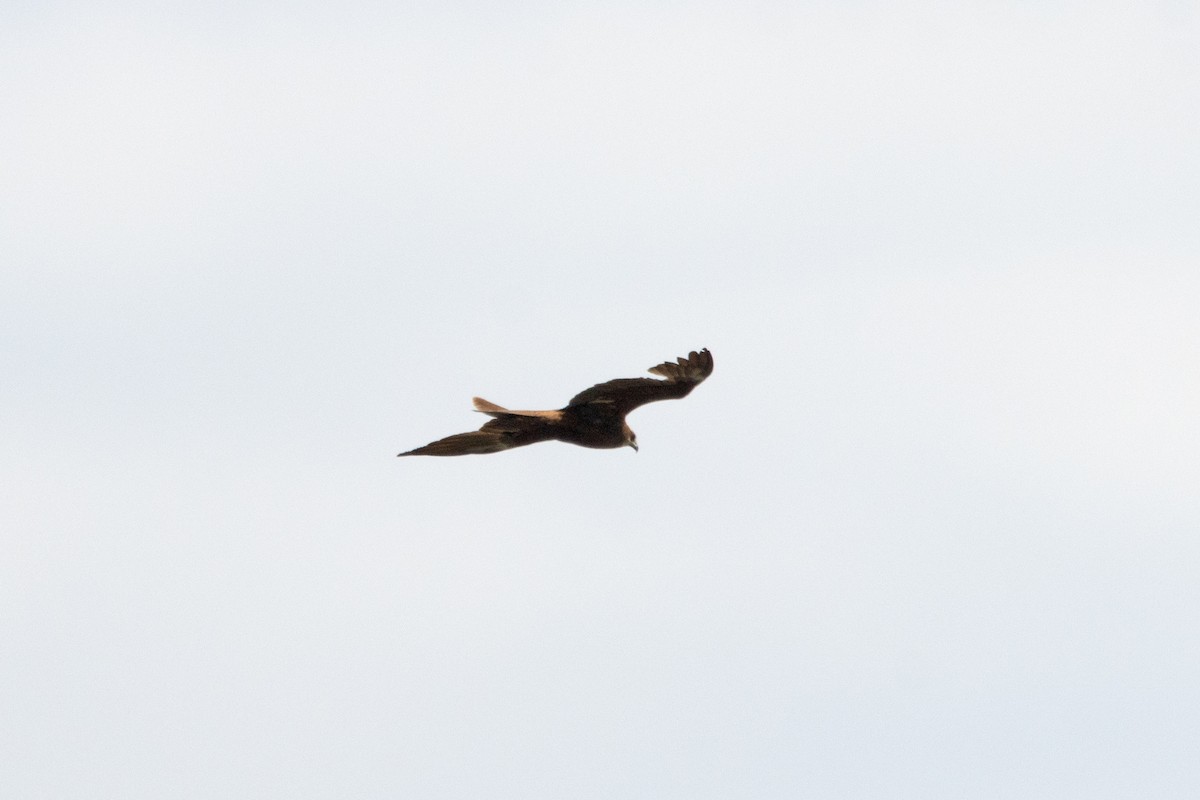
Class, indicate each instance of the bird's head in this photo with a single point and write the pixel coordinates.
(630, 438)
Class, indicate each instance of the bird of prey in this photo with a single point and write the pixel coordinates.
(594, 418)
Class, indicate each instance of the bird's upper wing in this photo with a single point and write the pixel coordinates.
(626, 394)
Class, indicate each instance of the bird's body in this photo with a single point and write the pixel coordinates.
(594, 418)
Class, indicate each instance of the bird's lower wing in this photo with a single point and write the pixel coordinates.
(463, 444)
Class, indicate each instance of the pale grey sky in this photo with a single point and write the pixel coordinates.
(931, 530)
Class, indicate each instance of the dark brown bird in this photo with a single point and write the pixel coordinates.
(594, 418)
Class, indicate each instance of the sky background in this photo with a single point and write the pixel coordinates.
(931, 529)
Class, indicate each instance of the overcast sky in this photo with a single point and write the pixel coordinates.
(931, 530)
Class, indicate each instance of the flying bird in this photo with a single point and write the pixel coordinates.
(594, 418)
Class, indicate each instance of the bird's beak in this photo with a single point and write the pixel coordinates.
(634, 446)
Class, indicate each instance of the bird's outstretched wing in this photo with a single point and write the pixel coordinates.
(462, 444)
(511, 429)
(626, 394)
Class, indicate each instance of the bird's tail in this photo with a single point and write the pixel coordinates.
(491, 409)
(500, 412)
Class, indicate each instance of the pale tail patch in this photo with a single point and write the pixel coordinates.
(491, 409)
